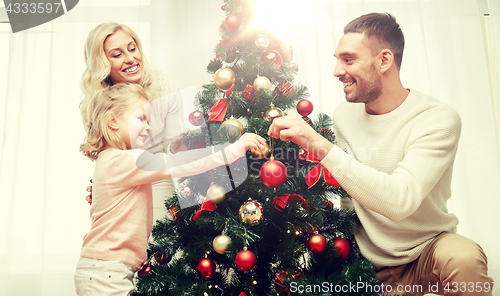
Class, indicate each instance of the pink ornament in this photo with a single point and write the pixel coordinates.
(232, 22)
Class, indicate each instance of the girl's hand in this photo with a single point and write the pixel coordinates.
(250, 140)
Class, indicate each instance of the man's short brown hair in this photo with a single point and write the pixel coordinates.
(382, 30)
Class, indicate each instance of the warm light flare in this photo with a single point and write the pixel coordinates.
(283, 16)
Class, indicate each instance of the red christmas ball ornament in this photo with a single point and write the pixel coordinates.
(162, 258)
(302, 155)
(343, 248)
(232, 22)
(273, 173)
(273, 57)
(206, 267)
(304, 107)
(196, 118)
(245, 260)
(146, 270)
(316, 244)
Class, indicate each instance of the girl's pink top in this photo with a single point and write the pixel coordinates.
(122, 208)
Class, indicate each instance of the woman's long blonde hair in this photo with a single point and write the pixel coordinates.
(96, 76)
(111, 101)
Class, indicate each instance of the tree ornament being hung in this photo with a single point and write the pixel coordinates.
(261, 152)
(273, 112)
(273, 173)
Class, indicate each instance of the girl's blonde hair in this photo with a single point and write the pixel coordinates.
(111, 101)
(96, 75)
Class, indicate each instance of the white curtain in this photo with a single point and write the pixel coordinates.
(452, 52)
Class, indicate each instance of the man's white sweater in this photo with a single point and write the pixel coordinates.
(397, 169)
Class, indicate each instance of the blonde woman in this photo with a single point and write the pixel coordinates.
(113, 54)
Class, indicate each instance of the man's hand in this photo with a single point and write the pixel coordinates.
(294, 128)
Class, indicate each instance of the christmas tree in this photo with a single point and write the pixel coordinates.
(267, 227)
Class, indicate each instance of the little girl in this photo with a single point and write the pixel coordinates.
(122, 210)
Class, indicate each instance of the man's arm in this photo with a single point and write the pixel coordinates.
(430, 153)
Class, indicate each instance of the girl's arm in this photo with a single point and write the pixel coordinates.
(188, 163)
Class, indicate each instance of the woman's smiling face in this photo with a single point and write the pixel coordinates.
(125, 57)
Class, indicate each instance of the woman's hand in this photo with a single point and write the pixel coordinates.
(177, 144)
(88, 198)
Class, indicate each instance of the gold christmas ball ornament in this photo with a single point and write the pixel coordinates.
(261, 83)
(273, 112)
(220, 243)
(260, 153)
(262, 42)
(251, 212)
(216, 193)
(234, 129)
(224, 78)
